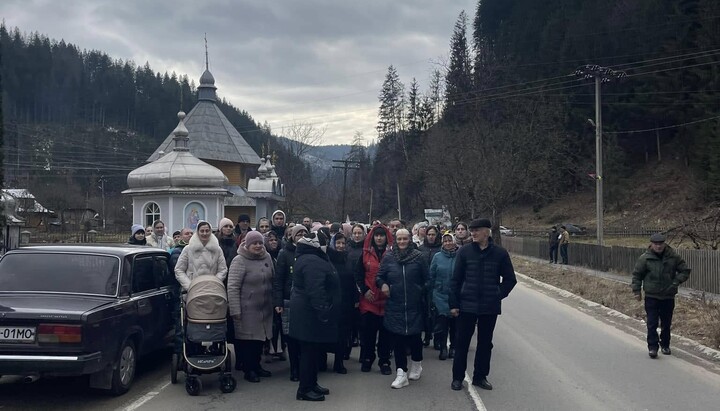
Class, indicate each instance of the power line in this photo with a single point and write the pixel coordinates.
(663, 128)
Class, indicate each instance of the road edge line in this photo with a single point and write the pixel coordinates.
(145, 398)
(479, 405)
(709, 352)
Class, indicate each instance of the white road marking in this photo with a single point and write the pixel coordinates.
(474, 394)
(147, 397)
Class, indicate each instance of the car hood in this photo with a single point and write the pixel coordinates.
(48, 306)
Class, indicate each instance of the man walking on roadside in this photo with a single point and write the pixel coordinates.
(564, 241)
(660, 270)
(483, 275)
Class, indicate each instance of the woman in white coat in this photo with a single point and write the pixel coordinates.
(202, 256)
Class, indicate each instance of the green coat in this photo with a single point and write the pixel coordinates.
(659, 276)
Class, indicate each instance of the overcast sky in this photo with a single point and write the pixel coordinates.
(283, 61)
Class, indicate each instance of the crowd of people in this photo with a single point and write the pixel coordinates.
(299, 292)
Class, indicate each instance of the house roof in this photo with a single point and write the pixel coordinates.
(24, 194)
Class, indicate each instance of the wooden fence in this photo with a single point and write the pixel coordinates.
(705, 264)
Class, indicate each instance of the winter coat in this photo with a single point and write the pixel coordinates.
(429, 250)
(250, 295)
(229, 249)
(461, 242)
(441, 271)
(355, 252)
(553, 238)
(282, 283)
(659, 275)
(316, 296)
(481, 279)
(198, 259)
(165, 242)
(407, 278)
(348, 289)
(366, 273)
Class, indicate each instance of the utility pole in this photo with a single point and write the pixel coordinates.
(102, 189)
(600, 75)
(346, 165)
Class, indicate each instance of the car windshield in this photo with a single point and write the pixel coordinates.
(60, 272)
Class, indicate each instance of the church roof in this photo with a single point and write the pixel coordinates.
(178, 169)
(214, 137)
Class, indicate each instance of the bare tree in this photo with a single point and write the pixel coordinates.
(302, 137)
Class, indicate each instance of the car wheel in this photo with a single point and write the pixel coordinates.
(174, 368)
(124, 368)
(193, 385)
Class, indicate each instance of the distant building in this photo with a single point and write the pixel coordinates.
(29, 209)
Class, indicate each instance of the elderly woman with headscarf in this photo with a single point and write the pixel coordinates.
(250, 301)
(441, 271)
(314, 310)
(202, 256)
(402, 278)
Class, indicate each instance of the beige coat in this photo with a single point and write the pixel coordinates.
(250, 295)
(197, 259)
(155, 241)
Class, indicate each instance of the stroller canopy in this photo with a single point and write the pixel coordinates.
(206, 299)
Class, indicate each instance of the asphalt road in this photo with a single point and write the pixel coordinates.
(548, 356)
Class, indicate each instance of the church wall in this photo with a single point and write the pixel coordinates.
(233, 171)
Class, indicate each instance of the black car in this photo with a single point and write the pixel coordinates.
(80, 309)
(575, 229)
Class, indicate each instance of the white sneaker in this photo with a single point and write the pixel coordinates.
(415, 370)
(401, 380)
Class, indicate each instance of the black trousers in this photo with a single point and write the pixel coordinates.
(659, 311)
(444, 328)
(401, 343)
(277, 334)
(554, 253)
(309, 358)
(249, 353)
(343, 346)
(372, 331)
(563, 253)
(466, 323)
(293, 352)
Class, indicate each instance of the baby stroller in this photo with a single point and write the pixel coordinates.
(205, 351)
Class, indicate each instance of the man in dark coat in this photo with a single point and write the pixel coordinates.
(553, 242)
(314, 310)
(483, 275)
(659, 271)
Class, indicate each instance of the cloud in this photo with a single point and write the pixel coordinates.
(320, 61)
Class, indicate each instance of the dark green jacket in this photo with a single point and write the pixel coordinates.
(659, 276)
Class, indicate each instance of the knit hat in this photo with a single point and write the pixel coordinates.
(311, 240)
(243, 217)
(448, 234)
(297, 229)
(657, 238)
(253, 237)
(135, 228)
(224, 222)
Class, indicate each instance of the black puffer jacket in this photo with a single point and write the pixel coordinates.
(349, 290)
(481, 279)
(315, 301)
(282, 282)
(407, 277)
(354, 252)
(229, 249)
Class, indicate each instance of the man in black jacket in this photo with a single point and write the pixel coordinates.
(482, 277)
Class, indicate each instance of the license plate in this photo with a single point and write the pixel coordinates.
(17, 334)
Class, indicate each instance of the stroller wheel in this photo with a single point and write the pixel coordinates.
(174, 368)
(227, 383)
(193, 385)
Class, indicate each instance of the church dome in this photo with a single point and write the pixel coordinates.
(207, 78)
(177, 169)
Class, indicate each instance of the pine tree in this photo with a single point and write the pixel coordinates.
(458, 82)
(413, 109)
(390, 114)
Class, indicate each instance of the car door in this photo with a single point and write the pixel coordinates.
(150, 301)
(170, 289)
